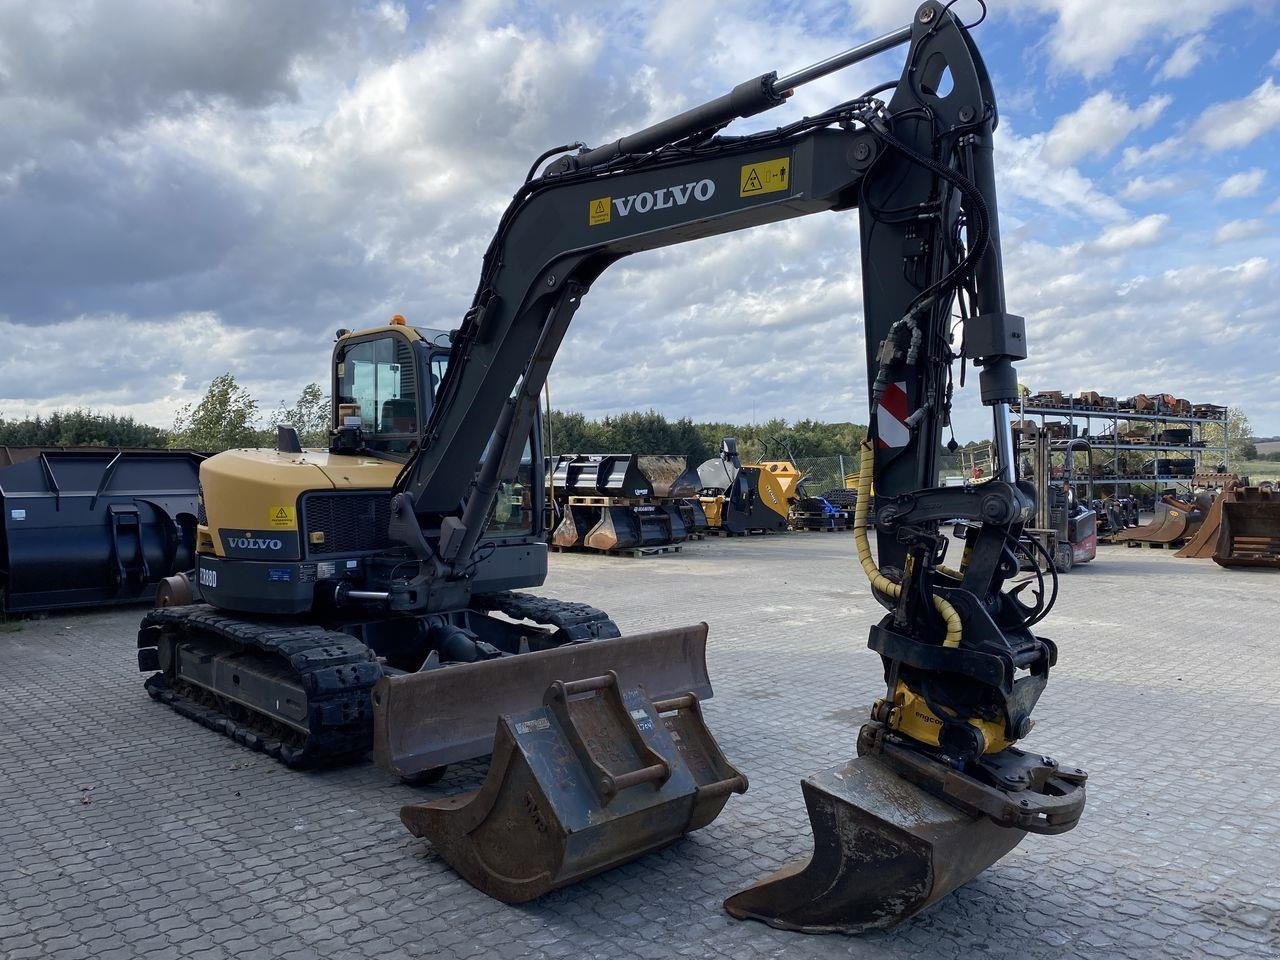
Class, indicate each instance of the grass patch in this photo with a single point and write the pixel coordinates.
(1257, 470)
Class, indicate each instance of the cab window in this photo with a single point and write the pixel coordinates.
(379, 375)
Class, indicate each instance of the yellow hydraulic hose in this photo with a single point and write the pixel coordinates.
(878, 580)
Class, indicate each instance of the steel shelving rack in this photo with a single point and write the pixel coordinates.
(1078, 414)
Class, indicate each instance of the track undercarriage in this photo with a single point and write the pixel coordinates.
(302, 692)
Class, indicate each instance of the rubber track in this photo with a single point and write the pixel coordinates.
(574, 621)
(335, 670)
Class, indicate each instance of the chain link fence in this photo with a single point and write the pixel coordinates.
(826, 473)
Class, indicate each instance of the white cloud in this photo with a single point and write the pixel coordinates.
(1275, 206)
(1098, 125)
(1234, 230)
(1142, 188)
(1237, 123)
(1089, 36)
(1123, 237)
(1275, 60)
(1158, 152)
(1244, 184)
(1024, 172)
(883, 15)
(1185, 58)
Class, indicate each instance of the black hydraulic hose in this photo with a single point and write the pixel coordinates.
(548, 154)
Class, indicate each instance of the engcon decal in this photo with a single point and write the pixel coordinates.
(601, 209)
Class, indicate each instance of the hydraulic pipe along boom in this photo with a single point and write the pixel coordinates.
(745, 100)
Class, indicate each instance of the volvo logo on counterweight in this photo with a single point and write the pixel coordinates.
(255, 543)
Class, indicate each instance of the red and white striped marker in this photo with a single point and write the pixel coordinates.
(891, 416)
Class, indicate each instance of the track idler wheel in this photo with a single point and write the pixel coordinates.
(884, 849)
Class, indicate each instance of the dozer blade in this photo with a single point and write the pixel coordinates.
(884, 849)
(593, 778)
(426, 720)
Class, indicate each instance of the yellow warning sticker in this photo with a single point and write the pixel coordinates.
(598, 211)
(767, 176)
(282, 517)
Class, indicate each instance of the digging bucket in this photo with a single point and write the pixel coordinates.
(884, 849)
(1250, 532)
(428, 719)
(596, 776)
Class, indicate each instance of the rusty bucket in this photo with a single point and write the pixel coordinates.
(884, 849)
(593, 778)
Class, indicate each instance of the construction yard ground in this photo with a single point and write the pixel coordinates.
(129, 832)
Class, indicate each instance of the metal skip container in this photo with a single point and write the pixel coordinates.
(84, 526)
(595, 777)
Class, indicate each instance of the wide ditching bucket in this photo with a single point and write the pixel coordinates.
(1169, 524)
(428, 719)
(596, 776)
(1250, 532)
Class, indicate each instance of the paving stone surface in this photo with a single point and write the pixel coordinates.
(127, 831)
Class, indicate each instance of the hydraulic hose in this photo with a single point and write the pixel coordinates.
(949, 614)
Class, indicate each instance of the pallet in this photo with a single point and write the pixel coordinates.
(838, 528)
(585, 501)
(1157, 545)
(722, 532)
(653, 551)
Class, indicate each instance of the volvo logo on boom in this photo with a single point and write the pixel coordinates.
(601, 209)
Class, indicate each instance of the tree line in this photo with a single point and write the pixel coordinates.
(226, 416)
(650, 432)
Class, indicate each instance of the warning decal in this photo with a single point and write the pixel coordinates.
(281, 517)
(768, 176)
(598, 211)
(891, 416)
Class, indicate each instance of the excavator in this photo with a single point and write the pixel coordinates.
(372, 592)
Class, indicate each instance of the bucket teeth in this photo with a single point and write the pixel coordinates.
(884, 849)
(594, 778)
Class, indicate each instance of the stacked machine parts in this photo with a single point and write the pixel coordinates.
(621, 501)
(1143, 448)
(89, 526)
(368, 594)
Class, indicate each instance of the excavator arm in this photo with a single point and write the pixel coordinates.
(918, 171)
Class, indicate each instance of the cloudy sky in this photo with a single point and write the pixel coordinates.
(188, 188)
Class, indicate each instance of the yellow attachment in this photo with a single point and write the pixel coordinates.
(713, 507)
(771, 492)
(911, 716)
(878, 580)
(787, 475)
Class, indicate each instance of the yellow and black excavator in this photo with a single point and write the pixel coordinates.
(367, 593)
